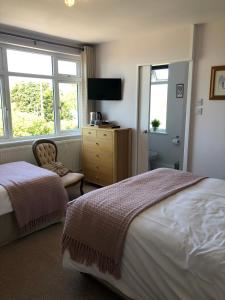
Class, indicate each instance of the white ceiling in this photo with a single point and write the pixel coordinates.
(97, 21)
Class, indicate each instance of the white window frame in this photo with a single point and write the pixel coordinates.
(4, 110)
(56, 79)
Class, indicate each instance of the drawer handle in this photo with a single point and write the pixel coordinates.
(97, 155)
(89, 132)
(105, 134)
(97, 144)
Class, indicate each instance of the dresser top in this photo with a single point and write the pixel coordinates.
(105, 128)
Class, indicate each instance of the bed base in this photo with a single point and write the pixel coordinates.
(108, 285)
(9, 230)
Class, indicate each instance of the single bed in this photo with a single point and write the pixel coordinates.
(173, 250)
(9, 229)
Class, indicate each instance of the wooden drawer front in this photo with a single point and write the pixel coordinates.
(98, 177)
(90, 175)
(98, 167)
(104, 134)
(89, 132)
(104, 146)
(97, 144)
(89, 144)
(99, 158)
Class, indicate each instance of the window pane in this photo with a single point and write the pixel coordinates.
(160, 75)
(158, 107)
(31, 106)
(27, 62)
(1, 60)
(1, 111)
(68, 95)
(67, 67)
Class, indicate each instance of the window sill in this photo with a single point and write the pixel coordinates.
(158, 132)
(29, 140)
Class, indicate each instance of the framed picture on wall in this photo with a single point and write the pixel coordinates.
(217, 83)
(180, 90)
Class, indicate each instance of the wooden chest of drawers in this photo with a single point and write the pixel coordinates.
(106, 155)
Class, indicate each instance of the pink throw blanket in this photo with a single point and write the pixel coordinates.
(97, 223)
(37, 195)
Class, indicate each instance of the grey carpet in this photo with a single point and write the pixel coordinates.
(31, 268)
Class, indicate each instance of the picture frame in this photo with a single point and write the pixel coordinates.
(180, 90)
(217, 83)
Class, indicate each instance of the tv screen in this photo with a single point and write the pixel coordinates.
(104, 89)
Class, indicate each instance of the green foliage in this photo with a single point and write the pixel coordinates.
(25, 124)
(33, 111)
(155, 123)
(1, 122)
(67, 106)
(32, 97)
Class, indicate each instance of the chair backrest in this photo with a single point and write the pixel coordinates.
(45, 151)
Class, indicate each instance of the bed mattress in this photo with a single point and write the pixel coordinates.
(5, 203)
(175, 249)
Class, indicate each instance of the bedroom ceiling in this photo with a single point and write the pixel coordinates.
(97, 21)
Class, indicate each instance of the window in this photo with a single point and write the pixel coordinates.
(68, 94)
(42, 93)
(27, 62)
(67, 67)
(1, 111)
(31, 106)
(159, 91)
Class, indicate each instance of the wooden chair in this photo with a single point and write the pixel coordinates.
(45, 152)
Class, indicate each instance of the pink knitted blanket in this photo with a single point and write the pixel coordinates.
(97, 223)
(37, 195)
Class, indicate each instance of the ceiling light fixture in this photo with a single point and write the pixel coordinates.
(70, 3)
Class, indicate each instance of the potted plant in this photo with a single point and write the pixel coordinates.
(155, 124)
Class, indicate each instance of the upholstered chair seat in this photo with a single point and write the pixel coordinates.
(70, 178)
(45, 152)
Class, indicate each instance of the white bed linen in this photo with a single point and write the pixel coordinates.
(174, 250)
(5, 203)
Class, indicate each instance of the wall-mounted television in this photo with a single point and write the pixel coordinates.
(104, 89)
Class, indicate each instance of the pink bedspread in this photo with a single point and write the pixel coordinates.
(97, 223)
(37, 195)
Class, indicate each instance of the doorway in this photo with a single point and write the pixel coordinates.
(163, 116)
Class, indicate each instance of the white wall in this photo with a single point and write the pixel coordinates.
(208, 131)
(120, 59)
(69, 153)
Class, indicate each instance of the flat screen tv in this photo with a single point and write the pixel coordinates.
(104, 89)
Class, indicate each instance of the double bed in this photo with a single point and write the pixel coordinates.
(27, 196)
(173, 250)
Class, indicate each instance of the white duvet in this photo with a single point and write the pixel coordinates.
(176, 249)
(5, 203)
